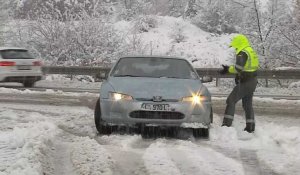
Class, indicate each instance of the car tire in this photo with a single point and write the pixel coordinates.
(149, 132)
(28, 84)
(101, 128)
(201, 133)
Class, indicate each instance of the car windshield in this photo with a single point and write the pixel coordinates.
(154, 67)
(15, 54)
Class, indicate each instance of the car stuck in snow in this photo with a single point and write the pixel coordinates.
(149, 92)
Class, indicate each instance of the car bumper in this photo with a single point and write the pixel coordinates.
(130, 113)
(21, 77)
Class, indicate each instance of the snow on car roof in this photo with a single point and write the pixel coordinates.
(12, 48)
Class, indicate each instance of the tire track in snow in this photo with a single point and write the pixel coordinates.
(7, 155)
(184, 164)
(158, 161)
(128, 159)
(251, 164)
(248, 157)
(206, 160)
(127, 162)
(62, 159)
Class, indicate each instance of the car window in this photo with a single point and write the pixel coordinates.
(15, 54)
(154, 67)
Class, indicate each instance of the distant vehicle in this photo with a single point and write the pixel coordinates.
(17, 65)
(148, 92)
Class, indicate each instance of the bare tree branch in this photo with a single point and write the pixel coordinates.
(243, 5)
(259, 26)
(272, 19)
(291, 41)
(258, 21)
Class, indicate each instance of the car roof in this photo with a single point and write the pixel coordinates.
(12, 48)
(152, 56)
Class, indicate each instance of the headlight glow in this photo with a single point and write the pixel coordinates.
(117, 96)
(195, 99)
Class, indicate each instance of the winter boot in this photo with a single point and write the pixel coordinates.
(227, 122)
(250, 127)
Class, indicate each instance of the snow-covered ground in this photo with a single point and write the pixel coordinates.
(57, 140)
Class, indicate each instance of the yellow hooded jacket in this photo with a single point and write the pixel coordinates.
(241, 43)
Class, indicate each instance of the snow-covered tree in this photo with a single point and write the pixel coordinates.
(131, 9)
(58, 9)
(220, 16)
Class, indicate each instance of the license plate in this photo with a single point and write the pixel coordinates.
(156, 107)
(24, 67)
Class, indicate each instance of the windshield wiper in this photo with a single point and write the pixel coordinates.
(174, 77)
(126, 76)
(168, 77)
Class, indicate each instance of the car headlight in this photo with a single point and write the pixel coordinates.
(195, 99)
(117, 96)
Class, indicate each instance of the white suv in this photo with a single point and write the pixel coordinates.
(17, 65)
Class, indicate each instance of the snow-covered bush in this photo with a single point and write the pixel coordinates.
(88, 41)
(58, 9)
(177, 34)
(217, 16)
(131, 9)
(295, 85)
(144, 23)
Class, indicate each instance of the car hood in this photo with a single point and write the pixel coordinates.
(168, 88)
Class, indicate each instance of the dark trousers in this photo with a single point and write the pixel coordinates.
(244, 91)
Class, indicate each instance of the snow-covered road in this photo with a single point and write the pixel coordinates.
(57, 138)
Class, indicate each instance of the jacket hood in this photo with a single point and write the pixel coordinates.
(149, 87)
(239, 42)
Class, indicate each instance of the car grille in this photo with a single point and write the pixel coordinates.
(157, 115)
(151, 99)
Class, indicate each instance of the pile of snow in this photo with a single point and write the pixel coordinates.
(294, 85)
(47, 91)
(90, 158)
(55, 81)
(275, 145)
(210, 50)
(22, 149)
(287, 68)
(58, 77)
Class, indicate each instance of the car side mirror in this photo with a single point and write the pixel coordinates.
(206, 79)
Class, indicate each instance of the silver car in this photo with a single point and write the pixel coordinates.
(146, 92)
(17, 65)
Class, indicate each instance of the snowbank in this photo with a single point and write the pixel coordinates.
(287, 68)
(48, 91)
(22, 149)
(275, 145)
(294, 85)
(90, 158)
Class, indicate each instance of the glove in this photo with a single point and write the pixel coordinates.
(224, 70)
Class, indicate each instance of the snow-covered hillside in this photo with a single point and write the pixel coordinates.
(179, 37)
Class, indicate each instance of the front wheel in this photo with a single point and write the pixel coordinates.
(101, 127)
(201, 133)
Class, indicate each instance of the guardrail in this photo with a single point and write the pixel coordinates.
(213, 72)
